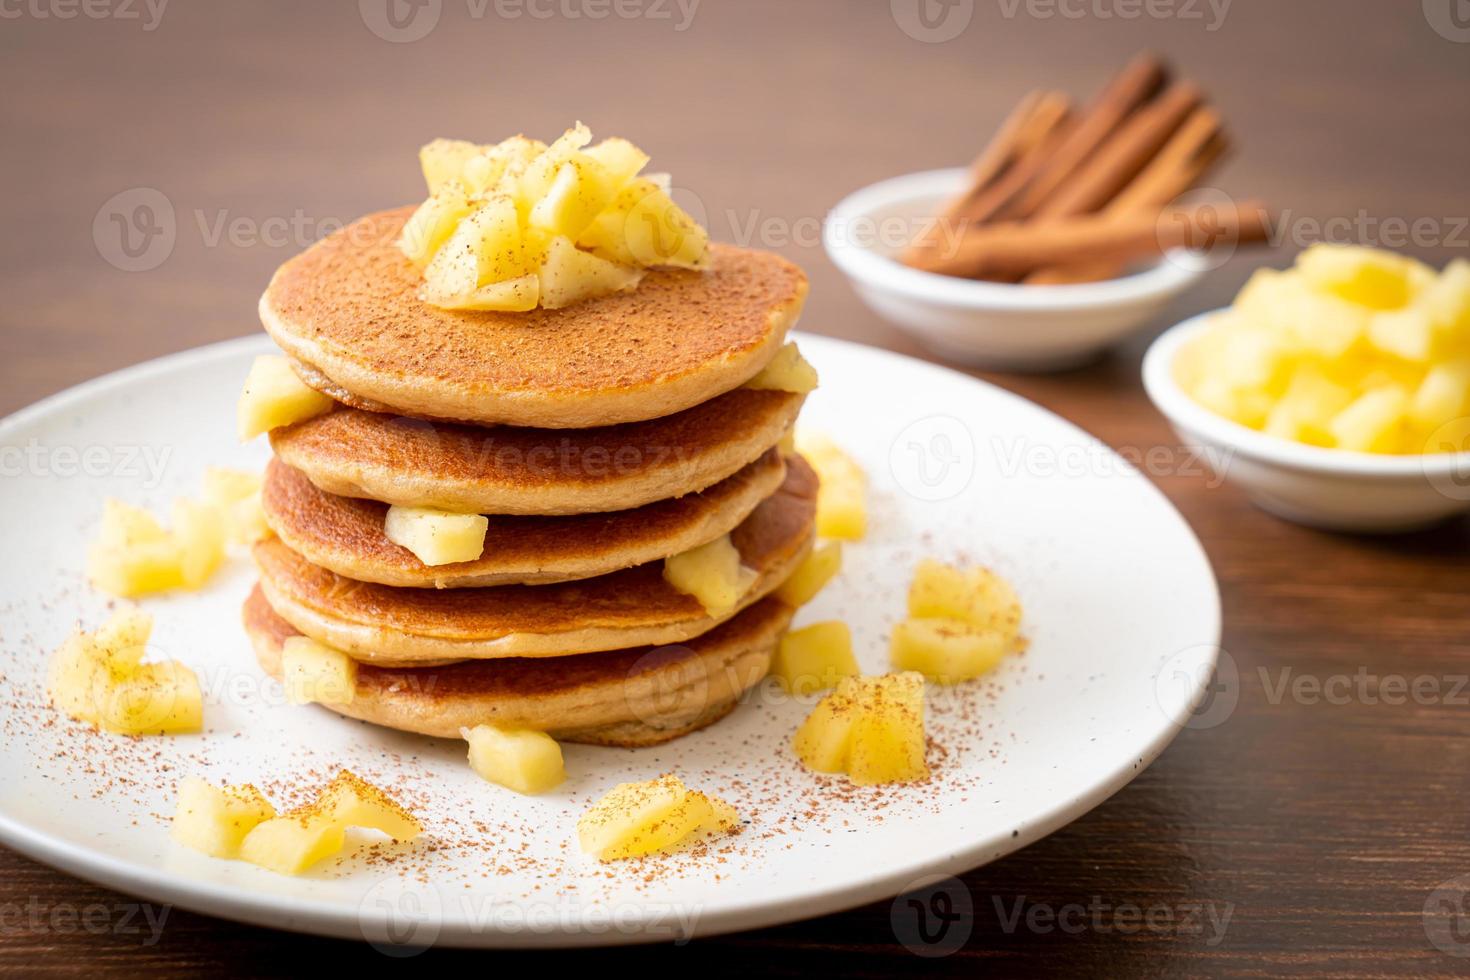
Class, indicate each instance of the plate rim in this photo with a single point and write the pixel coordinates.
(309, 916)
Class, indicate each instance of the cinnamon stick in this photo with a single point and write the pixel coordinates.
(1125, 154)
(1018, 249)
(1000, 171)
(1133, 87)
(1190, 153)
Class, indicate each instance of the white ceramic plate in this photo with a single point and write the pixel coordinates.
(1121, 611)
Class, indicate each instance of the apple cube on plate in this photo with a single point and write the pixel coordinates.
(814, 658)
(872, 728)
(841, 496)
(818, 568)
(948, 651)
(519, 759)
(215, 819)
(635, 819)
(886, 744)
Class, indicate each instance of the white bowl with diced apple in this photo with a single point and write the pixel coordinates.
(1006, 326)
(1328, 488)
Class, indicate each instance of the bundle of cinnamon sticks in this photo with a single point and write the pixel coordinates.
(1063, 195)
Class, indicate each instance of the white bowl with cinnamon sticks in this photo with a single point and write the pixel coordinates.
(1073, 228)
(1331, 489)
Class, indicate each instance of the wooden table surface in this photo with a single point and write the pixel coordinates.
(1323, 825)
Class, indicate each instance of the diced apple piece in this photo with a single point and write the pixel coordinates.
(822, 740)
(216, 819)
(635, 819)
(519, 759)
(1368, 277)
(486, 248)
(814, 658)
(570, 275)
(133, 554)
(711, 573)
(540, 173)
(1447, 299)
(99, 678)
(619, 158)
(1443, 395)
(199, 529)
(887, 739)
(976, 596)
(580, 191)
(437, 537)
(290, 844)
(433, 224)
(644, 227)
(274, 396)
(237, 494)
(123, 639)
(351, 801)
(155, 699)
(444, 160)
(788, 371)
(498, 168)
(313, 673)
(872, 728)
(1373, 423)
(948, 651)
(817, 569)
(841, 497)
(1407, 333)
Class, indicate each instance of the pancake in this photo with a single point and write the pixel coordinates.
(641, 696)
(348, 308)
(505, 470)
(345, 535)
(632, 607)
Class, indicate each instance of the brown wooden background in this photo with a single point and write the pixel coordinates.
(1326, 826)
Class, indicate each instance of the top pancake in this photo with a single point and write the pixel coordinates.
(348, 308)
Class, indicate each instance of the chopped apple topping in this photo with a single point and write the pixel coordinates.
(521, 224)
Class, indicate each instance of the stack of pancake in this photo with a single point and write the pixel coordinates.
(599, 439)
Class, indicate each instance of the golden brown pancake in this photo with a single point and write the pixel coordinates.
(506, 470)
(641, 696)
(349, 309)
(632, 607)
(345, 535)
